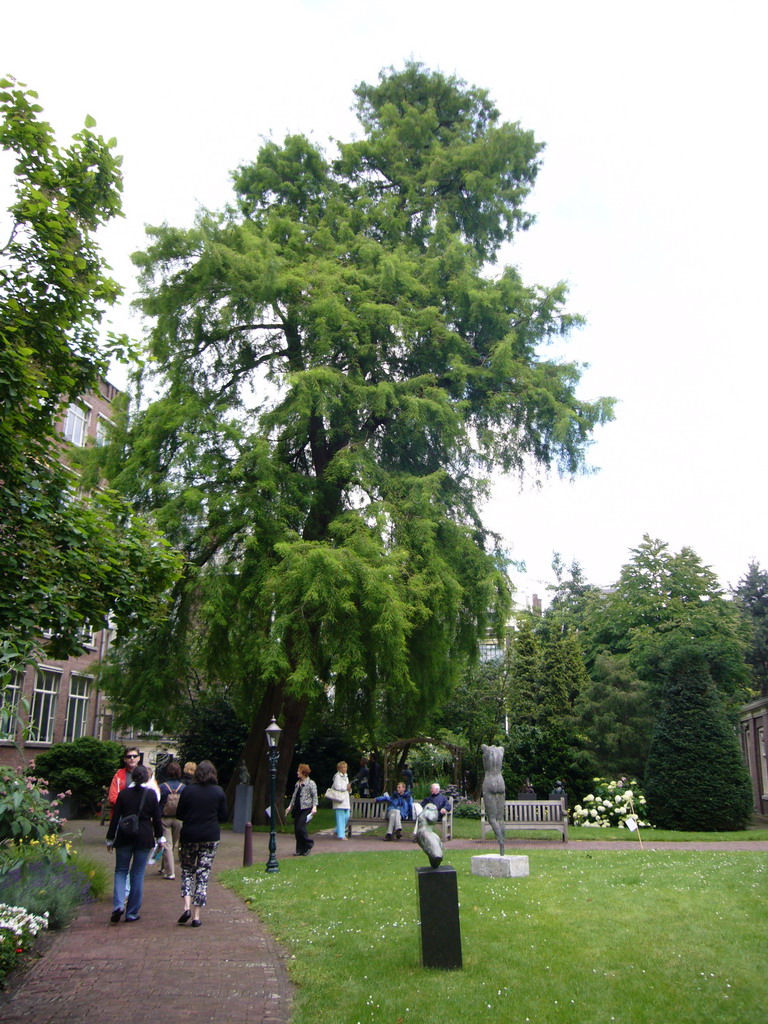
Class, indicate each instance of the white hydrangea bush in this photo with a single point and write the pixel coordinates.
(611, 805)
(19, 921)
(18, 929)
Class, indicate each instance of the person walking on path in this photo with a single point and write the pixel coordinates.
(170, 793)
(122, 777)
(303, 806)
(341, 788)
(202, 809)
(132, 847)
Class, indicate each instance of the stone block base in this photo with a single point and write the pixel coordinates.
(491, 865)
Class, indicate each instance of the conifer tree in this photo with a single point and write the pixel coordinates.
(695, 779)
(751, 596)
(339, 374)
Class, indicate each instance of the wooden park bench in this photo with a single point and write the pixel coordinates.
(366, 811)
(530, 814)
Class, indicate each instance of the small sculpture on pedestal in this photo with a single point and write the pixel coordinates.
(245, 778)
(428, 840)
(494, 791)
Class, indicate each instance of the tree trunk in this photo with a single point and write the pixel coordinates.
(289, 714)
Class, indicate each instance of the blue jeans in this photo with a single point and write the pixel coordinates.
(129, 857)
(341, 821)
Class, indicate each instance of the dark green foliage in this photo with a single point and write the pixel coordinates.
(695, 779)
(547, 675)
(83, 766)
(660, 592)
(322, 749)
(624, 633)
(467, 809)
(475, 713)
(751, 596)
(212, 731)
(614, 719)
(541, 754)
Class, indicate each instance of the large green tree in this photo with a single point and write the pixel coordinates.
(339, 374)
(65, 558)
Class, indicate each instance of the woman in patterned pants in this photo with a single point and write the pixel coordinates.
(202, 808)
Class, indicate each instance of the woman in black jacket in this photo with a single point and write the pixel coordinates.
(202, 808)
(132, 849)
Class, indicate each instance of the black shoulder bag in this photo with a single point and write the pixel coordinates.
(128, 826)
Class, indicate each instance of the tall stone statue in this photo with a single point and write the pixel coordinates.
(494, 791)
(428, 840)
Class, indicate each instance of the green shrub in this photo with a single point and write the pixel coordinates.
(84, 767)
(467, 809)
(25, 811)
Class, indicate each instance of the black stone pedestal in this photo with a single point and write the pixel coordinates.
(439, 912)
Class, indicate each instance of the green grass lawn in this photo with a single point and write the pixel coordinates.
(635, 937)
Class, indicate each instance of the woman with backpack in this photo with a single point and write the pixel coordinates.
(133, 831)
(170, 791)
(202, 809)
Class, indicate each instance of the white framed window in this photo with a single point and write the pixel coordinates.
(10, 694)
(42, 716)
(102, 430)
(85, 635)
(76, 424)
(77, 707)
(490, 650)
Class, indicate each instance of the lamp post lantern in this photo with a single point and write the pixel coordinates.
(273, 731)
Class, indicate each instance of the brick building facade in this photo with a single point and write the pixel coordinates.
(59, 700)
(754, 745)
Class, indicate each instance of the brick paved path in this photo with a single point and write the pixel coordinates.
(229, 971)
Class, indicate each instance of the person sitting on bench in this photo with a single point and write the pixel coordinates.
(440, 802)
(400, 809)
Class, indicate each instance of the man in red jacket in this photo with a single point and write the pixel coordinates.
(122, 776)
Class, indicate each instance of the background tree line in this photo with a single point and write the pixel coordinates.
(643, 679)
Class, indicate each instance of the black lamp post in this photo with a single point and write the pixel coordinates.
(273, 731)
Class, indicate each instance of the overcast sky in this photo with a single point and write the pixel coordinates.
(651, 204)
